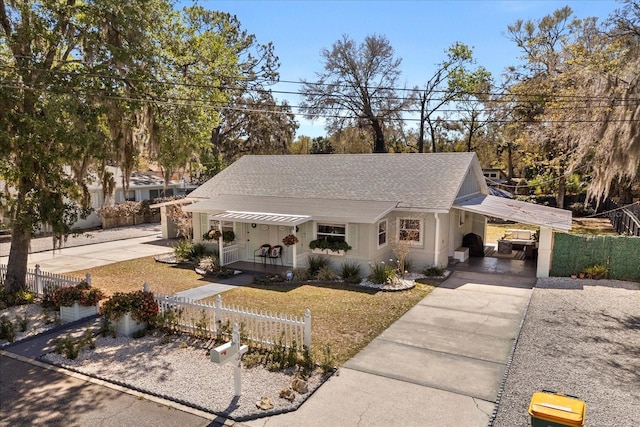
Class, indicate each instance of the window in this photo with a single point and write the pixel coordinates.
(130, 196)
(154, 194)
(332, 232)
(382, 233)
(410, 230)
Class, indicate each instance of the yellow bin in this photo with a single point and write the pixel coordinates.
(549, 409)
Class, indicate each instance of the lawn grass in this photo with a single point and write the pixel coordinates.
(128, 276)
(344, 318)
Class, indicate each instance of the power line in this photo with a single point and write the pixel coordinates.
(495, 96)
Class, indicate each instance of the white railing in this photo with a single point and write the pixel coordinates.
(230, 254)
(261, 328)
(40, 282)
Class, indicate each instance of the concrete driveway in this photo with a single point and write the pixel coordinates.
(441, 364)
(101, 248)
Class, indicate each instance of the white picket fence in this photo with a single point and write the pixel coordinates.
(261, 328)
(40, 282)
(230, 254)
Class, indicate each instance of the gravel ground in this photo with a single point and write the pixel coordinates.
(582, 338)
(184, 373)
(38, 320)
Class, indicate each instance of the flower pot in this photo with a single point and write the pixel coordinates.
(77, 312)
(127, 326)
(573, 276)
(581, 275)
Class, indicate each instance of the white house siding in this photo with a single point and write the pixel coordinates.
(469, 185)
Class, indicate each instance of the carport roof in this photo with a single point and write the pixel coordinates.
(515, 210)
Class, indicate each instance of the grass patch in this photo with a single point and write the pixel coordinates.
(129, 276)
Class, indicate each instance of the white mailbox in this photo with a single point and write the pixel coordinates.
(223, 353)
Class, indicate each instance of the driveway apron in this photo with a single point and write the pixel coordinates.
(441, 364)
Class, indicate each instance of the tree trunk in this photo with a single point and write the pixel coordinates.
(423, 102)
(17, 264)
(471, 130)
(432, 131)
(509, 161)
(379, 146)
(562, 189)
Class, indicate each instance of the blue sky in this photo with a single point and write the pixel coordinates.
(419, 31)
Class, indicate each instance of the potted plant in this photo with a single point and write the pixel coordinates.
(130, 311)
(212, 234)
(331, 248)
(77, 302)
(228, 236)
(289, 240)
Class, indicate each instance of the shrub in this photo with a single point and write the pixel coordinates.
(7, 329)
(350, 272)
(183, 250)
(209, 264)
(140, 304)
(327, 274)
(199, 250)
(408, 265)
(382, 273)
(300, 274)
(580, 210)
(82, 293)
(597, 271)
(315, 264)
(434, 271)
(71, 347)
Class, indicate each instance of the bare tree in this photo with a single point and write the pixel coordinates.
(357, 87)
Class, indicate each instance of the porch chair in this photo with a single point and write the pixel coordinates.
(263, 252)
(275, 253)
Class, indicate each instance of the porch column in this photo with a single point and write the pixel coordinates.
(220, 245)
(545, 243)
(437, 241)
(295, 251)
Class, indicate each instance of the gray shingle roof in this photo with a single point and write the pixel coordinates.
(426, 181)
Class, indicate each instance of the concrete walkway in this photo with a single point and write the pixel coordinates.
(441, 364)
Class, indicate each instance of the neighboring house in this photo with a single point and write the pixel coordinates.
(142, 186)
(494, 176)
(371, 201)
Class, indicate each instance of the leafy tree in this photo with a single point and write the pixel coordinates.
(537, 83)
(254, 125)
(86, 85)
(321, 146)
(357, 87)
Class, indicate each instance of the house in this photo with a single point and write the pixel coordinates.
(142, 186)
(374, 202)
(495, 176)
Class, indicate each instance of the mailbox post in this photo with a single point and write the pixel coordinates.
(226, 352)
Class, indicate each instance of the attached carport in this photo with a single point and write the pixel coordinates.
(545, 217)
